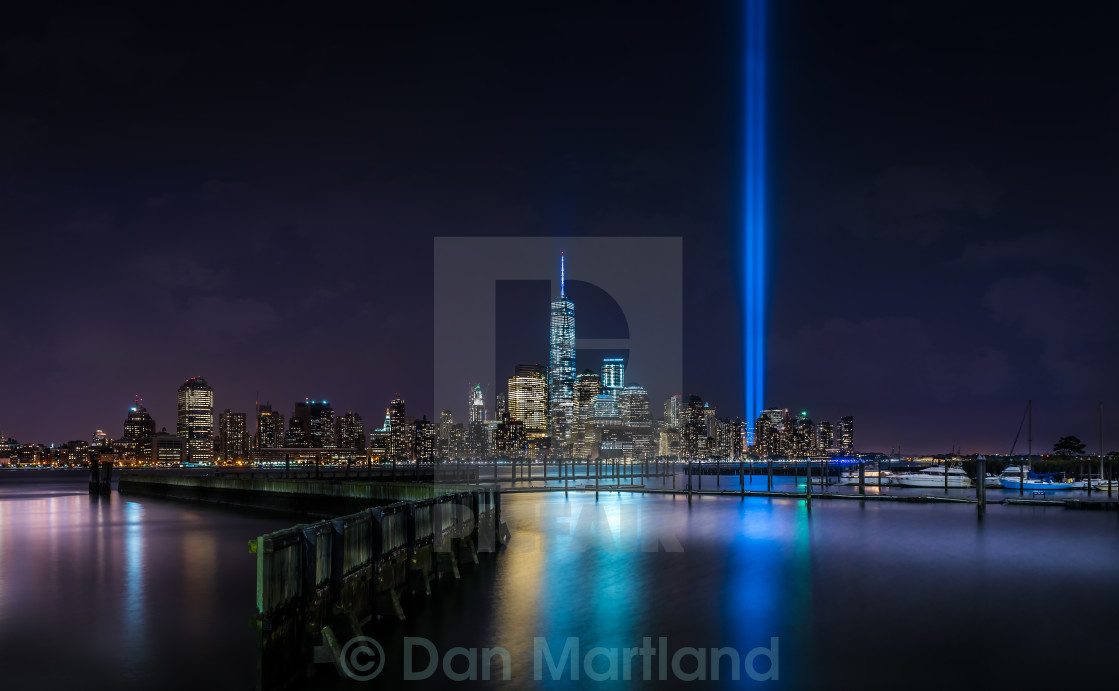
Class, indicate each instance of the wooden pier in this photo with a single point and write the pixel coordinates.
(319, 585)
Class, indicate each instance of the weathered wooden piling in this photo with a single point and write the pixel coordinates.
(320, 584)
(981, 485)
(862, 477)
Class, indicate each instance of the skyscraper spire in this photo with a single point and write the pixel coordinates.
(561, 367)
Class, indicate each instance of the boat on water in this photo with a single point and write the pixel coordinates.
(934, 477)
(1015, 477)
(871, 477)
(851, 477)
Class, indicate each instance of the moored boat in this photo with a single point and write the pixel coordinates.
(934, 478)
(1024, 478)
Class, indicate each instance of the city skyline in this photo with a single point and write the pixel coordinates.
(928, 271)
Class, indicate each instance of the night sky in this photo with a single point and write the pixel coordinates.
(253, 195)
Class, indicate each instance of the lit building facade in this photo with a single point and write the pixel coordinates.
(613, 375)
(561, 369)
(398, 431)
(139, 428)
(588, 386)
(196, 420)
(846, 434)
(231, 436)
(349, 431)
(528, 399)
(269, 428)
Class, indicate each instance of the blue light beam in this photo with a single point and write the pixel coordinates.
(753, 247)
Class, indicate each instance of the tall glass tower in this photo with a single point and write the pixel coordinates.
(196, 419)
(561, 369)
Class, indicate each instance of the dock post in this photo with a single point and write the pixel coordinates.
(880, 475)
(1111, 473)
(105, 481)
(545, 471)
(741, 477)
(699, 486)
(946, 476)
(496, 516)
(862, 477)
(94, 472)
(287, 465)
(673, 473)
(597, 474)
(718, 472)
(769, 473)
(564, 468)
(981, 484)
(690, 473)
(808, 483)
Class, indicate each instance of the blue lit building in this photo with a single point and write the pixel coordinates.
(561, 369)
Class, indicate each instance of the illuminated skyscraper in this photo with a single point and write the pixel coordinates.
(528, 399)
(613, 375)
(196, 420)
(269, 428)
(673, 411)
(350, 431)
(561, 369)
(587, 388)
(633, 407)
(476, 404)
(694, 436)
(312, 425)
(846, 433)
(398, 430)
(231, 436)
(139, 428)
(825, 436)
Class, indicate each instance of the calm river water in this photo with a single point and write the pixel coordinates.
(140, 593)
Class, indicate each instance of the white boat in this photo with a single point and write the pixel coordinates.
(870, 477)
(933, 478)
(992, 480)
(851, 477)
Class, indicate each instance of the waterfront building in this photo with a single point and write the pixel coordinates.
(269, 427)
(695, 428)
(196, 420)
(633, 409)
(588, 386)
(349, 431)
(846, 434)
(168, 449)
(825, 436)
(399, 436)
(231, 436)
(528, 399)
(423, 440)
(139, 428)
